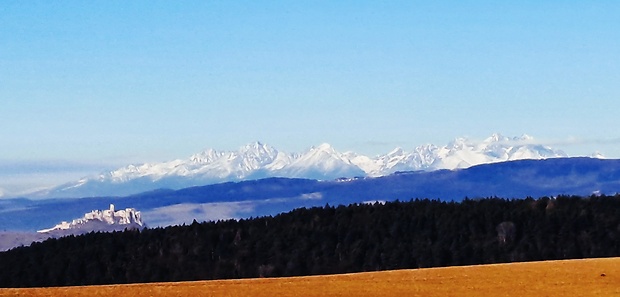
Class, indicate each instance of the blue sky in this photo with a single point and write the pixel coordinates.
(87, 85)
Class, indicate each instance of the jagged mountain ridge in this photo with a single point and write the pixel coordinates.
(258, 160)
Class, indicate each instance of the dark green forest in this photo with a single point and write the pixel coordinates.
(328, 240)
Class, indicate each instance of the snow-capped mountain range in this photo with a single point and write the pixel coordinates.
(99, 220)
(258, 160)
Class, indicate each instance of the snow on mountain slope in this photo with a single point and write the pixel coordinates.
(462, 153)
(258, 160)
(210, 162)
(321, 162)
(97, 220)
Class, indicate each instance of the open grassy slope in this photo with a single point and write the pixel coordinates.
(588, 277)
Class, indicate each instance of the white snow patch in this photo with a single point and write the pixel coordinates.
(312, 196)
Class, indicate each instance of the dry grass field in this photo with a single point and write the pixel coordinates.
(589, 277)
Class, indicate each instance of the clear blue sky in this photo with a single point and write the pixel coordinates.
(86, 85)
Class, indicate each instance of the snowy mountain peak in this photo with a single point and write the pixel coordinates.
(258, 151)
(526, 137)
(256, 147)
(205, 157)
(99, 220)
(321, 153)
(496, 137)
(427, 148)
(458, 144)
(324, 147)
(322, 162)
(396, 152)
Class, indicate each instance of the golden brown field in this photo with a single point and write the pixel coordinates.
(589, 277)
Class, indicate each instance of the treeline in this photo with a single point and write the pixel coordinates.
(327, 240)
